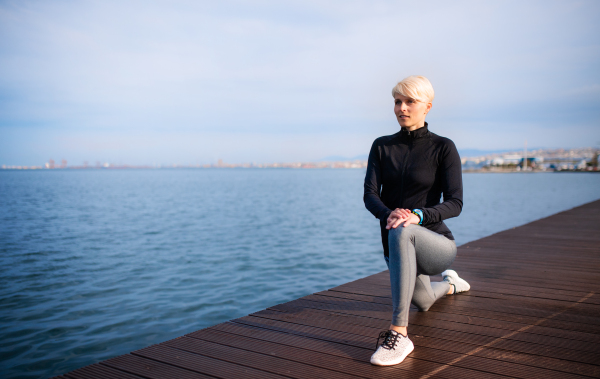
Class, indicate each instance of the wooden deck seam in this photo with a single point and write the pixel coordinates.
(291, 360)
(266, 370)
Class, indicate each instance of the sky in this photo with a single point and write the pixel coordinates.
(191, 82)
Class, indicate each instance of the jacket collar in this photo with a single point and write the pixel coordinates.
(419, 133)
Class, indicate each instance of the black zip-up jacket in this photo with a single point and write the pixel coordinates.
(415, 169)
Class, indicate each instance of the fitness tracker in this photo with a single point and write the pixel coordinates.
(419, 213)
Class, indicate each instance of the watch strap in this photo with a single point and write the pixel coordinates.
(419, 213)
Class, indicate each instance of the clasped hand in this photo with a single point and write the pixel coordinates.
(402, 217)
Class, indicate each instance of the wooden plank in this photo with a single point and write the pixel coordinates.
(100, 371)
(264, 365)
(203, 364)
(150, 369)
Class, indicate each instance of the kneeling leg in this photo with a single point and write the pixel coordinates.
(427, 293)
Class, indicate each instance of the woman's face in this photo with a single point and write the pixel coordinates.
(410, 113)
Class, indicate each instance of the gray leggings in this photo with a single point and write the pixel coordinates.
(416, 253)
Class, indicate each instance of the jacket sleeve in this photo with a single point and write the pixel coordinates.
(372, 188)
(452, 189)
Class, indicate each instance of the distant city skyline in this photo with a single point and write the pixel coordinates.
(195, 81)
(469, 157)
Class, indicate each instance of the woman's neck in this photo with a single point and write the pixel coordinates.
(414, 127)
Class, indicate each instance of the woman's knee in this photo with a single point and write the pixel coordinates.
(401, 233)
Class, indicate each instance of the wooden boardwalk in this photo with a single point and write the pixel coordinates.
(533, 312)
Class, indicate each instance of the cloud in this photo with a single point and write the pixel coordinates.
(295, 68)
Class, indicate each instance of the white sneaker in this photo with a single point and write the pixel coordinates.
(393, 350)
(459, 284)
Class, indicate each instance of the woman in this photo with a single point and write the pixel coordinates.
(415, 168)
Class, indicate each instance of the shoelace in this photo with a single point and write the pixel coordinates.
(389, 340)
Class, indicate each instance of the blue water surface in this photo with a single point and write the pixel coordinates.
(97, 263)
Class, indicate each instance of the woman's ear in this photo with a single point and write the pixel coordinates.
(429, 105)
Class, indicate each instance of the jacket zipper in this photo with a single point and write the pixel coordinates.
(404, 165)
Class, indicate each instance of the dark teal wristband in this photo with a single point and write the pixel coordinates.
(419, 213)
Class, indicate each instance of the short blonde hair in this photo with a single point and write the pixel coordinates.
(415, 87)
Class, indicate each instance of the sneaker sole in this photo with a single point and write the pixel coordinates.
(396, 361)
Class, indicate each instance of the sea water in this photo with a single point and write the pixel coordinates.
(97, 263)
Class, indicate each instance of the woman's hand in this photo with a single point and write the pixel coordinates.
(402, 217)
